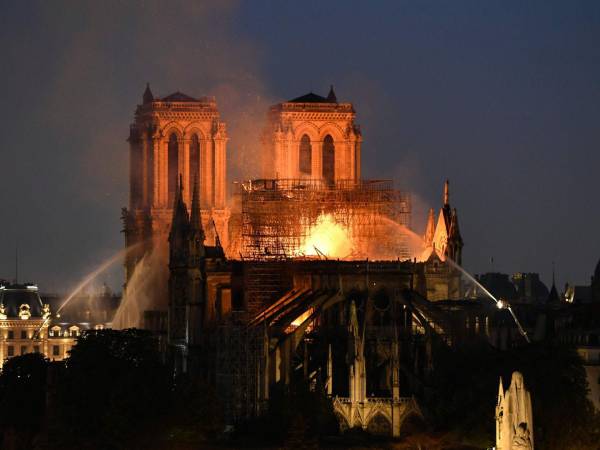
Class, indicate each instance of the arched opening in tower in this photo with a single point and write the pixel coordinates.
(305, 161)
(173, 166)
(149, 199)
(194, 162)
(328, 160)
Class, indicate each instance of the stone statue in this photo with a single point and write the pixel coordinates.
(46, 311)
(514, 419)
(521, 439)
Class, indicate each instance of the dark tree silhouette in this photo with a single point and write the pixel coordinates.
(113, 389)
(22, 400)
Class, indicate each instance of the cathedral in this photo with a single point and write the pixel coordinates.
(273, 312)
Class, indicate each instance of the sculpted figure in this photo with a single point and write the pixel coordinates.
(514, 418)
(46, 311)
(521, 439)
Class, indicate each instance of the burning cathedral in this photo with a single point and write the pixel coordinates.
(309, 274)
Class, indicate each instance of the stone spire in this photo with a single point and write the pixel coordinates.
(331, 98)
(217, 238)
(446, 211)
(455, 242)
(180, 213)
(357, 369)
(553, 297)
(430, 229)
(148, 97)
(447, 193)
(196, 216)
(219, 252)
(180, 228)
(454, 228)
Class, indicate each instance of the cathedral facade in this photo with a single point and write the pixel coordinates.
(174, 137)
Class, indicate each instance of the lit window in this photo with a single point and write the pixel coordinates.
(11, 334)
(11, 350)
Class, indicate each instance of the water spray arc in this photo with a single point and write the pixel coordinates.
(501, 304)
(148, 281)
(88, 279)
(91, 276)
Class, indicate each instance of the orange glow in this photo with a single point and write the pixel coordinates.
(300, 320)
(329, 237)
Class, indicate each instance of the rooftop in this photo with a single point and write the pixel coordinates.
(178, 97)
(13, 296)
(311, 97)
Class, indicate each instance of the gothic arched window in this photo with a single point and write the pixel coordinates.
(194, 162)
(173, 166)
(305, 157)
(150, 172)
(328, 160)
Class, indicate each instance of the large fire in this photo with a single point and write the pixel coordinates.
(332, 239)
(328, 237)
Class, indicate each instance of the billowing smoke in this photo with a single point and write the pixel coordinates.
(97, 57)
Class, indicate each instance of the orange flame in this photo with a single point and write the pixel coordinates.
(328, 237)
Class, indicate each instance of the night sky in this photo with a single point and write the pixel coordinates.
(502, 98)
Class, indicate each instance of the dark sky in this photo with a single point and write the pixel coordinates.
(503, 98)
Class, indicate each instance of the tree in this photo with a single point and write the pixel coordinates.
(296, 414)
(113, 388)
(196, 411)
(22, 399)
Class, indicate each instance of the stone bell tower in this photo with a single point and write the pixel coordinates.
(312, 137)
(171, 137)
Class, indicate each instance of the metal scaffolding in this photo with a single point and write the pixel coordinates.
(278, 214)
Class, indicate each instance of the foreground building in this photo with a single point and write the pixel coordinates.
(26, 325)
